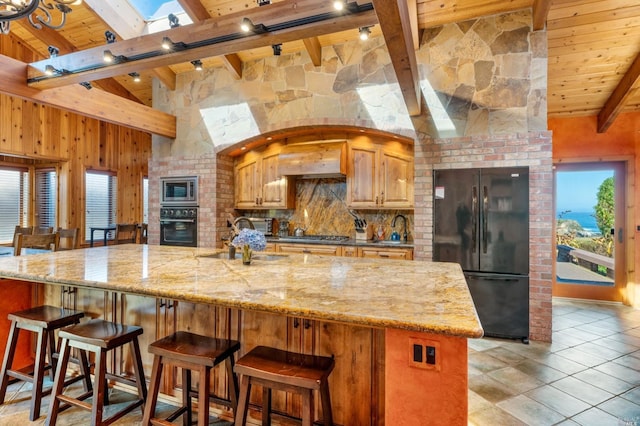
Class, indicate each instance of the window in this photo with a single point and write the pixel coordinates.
(145, 200)
(46, 197)
(100, 200)
(14, 201)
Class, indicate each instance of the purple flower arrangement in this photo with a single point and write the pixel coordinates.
(254, 239)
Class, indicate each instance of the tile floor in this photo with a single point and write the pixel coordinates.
(589, 375)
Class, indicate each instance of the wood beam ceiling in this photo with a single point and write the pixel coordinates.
(91, 59)
(395, 23)
(96, 104)
(623, 92)
(197, 12)
(540, 11)
(51, 37)
(127, 23)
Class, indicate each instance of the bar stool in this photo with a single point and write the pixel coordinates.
(99, 337)
(287, 371)
(191, 352)
(43, 320)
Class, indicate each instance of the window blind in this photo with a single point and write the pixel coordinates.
(100, 200)
(14, 201)
(46, 197)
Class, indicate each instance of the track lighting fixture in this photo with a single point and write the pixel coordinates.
(167, 44)
(53, 51)
(197, 64)
(277, 49)
(111, 37)
(173, 21)
(86, 85)
(263, 2)
(365, 32)
(50, 70)
(110, 58)
(135, 76)
(338, 5)
(247, 26)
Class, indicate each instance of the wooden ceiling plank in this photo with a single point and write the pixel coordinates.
(197, 32)
(540, 11)
(618, 97)
(396, 28)
(314, 49)
(90, 103)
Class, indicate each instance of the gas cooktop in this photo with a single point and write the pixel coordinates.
(328, 238)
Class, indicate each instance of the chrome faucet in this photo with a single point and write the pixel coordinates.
(404, 220)
(239, 223)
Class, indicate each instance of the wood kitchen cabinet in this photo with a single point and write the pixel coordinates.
(380, 176)
(327, 250)
(386, 252)
(258, 183)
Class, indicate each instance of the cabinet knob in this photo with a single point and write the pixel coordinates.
(382, 198)
(296, 323)
(307, 324)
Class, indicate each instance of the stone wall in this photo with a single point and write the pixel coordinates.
(484, 105)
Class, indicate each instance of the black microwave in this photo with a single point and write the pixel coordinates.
(179, 191)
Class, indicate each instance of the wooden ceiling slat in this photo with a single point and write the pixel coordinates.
(432, 13)
(631, 14)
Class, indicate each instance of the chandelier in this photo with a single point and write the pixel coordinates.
(39, 12)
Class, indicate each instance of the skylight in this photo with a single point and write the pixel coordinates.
(153, 10)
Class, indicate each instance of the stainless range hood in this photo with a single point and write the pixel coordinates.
(326, 159)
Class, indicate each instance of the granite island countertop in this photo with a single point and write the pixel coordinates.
(412, 295)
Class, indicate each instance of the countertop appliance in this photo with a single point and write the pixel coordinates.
(481, 221)
(179, 226)
(267, 225)
(179, 191)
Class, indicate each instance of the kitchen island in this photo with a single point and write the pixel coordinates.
(418, 315)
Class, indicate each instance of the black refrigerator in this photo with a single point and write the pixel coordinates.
(481, 221)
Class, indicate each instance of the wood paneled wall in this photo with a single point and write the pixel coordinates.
(74, 144)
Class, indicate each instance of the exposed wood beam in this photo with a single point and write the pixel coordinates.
(314, 49)
(127, 23)
(197, 12)
(540, 12)
(50, 37)
(90, 103)
(396, 28)
(91, 64)
(619, 96)
(412, 6)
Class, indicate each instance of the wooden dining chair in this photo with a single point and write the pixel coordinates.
(42, 230)
(67, 238)
(27, 230)
(40, 242)
(126, 233)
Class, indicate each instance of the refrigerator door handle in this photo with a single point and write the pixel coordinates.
(485, 211)
(474, 220)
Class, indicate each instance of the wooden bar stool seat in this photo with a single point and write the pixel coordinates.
(191, 352)
(287, 371)
(44, 321)
(99, 337)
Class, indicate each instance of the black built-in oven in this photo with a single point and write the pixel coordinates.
(179, 226)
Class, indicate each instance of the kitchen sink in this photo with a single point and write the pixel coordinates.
(225, 255)
(389, 242)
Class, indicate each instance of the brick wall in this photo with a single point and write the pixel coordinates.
(514, 150)
(215, 194)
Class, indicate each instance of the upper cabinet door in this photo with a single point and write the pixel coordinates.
(247, 183)
(259, 185)
(396, 180)
(379, 177)
(362, 177)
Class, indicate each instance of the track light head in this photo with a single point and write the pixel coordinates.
(50, 70)
(277, 49)
(53, 51)
(86, 85)
(246, 25)
(108, 57)
(338, 4)
(135, 76)
(365, 32)
(110, 37)
(167, 44)
(197, 64)
(173, 20)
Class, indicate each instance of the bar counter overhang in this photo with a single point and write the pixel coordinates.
(415, 302)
